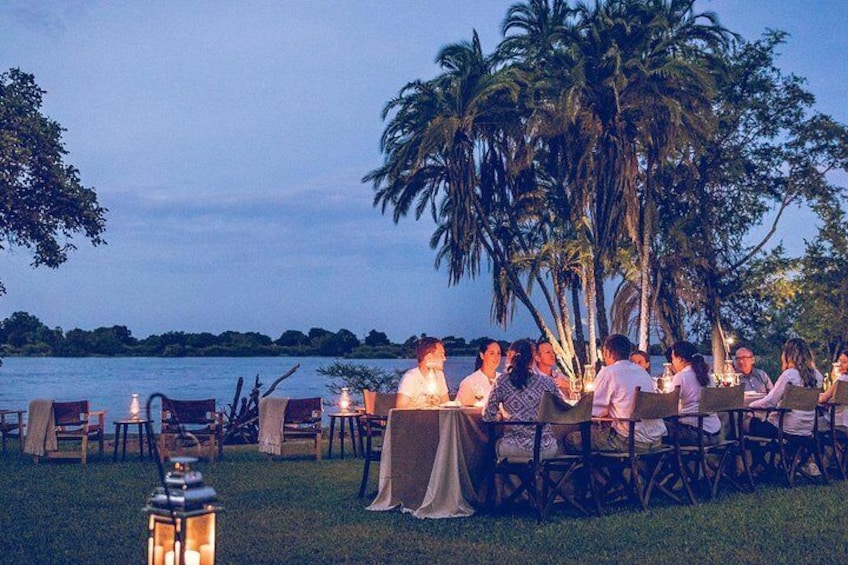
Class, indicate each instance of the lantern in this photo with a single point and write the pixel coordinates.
(134, 407)
(344, 401)
(589, 378)
(181, 520)
(667, 378)
(729, 376)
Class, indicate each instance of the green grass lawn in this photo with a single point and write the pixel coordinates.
(302, 511)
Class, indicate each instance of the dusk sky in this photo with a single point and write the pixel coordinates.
(228, 140)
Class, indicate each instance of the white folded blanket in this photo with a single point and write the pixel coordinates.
(272, 413)
(41, 428)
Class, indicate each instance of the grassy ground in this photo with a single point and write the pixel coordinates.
(302, 511)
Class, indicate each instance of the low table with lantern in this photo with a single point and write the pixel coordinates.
(122, 427)
(350, 418)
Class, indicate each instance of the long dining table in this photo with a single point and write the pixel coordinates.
(434, 462)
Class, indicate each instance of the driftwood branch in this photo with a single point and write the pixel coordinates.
(241, 424)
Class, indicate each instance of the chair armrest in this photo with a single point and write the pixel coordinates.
(101, 416)
(605, 419)
(767, 409)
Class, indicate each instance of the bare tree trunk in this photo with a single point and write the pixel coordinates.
(591, 296)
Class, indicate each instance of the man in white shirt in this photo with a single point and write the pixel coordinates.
(615, 386)
(425, 385)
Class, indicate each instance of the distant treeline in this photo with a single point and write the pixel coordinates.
(23, 334)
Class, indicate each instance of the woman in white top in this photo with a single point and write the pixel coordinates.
(798, 369)
(841, 413)
(475, 388)
(692, 375)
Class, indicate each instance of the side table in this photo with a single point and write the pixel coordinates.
(122, 426)
(350, 418)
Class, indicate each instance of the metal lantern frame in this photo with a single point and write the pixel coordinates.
(181, 513)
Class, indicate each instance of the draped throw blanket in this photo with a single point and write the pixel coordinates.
(41, 428)
(272, 413)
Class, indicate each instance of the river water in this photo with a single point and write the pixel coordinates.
(108, 383)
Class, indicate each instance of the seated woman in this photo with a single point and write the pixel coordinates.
(841, 413)
(475, 388)
(798, 369)
(519, 392)
(425, 385)
(692, 374)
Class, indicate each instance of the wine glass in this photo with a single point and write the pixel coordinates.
(577, 388)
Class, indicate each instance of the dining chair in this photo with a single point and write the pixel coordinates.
(708, 465)
(788, 452)
(571, 468)
(191, 425)
(834, 435)
(372, 427)
(635, 473)
(303, 421)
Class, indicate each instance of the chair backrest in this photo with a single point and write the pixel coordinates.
(840, 395)
(303, 410)
(70, 413)
(379, 403)
(722, 399)
(554, 410)
(655, 405)
(181, 412)
(800, 398)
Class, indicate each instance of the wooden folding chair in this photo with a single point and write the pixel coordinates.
(73, 424)
(707, 465)
(638, 473)
(576, 469)
(303, 421)
(191, 424)
(372, 426)
(790, 451)
(836, 436)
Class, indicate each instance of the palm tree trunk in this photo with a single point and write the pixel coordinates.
(591, 310)
(579, 336)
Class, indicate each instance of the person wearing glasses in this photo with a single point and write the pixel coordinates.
(755, 380)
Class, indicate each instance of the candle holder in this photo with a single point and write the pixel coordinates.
(664, 384)
(135, 408)
(729, 375)
(344, 401)
(588, 377)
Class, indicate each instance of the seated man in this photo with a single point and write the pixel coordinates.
(425, 385)
(642, 359)
(615, 386)
(755, 380)
(545, 364)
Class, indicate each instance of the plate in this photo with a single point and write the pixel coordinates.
(450, 404)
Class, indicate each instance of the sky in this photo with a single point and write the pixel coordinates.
(229, 139)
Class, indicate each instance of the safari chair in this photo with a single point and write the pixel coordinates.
(835, 436)
(576, 468)
(10, 428)
(707, 465)
(788, 452)
(303, 420)
(191, 424)
(73, 424)
(372, 425)
(637, 473)
(523, 469)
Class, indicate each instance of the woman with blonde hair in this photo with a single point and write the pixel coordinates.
(799, 369)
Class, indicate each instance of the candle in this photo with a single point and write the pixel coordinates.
(158, 555)
(207, 554)
(192, 557)
(169, 558)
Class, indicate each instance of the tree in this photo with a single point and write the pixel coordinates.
(44, 202)
(376, 339)
(292, 338)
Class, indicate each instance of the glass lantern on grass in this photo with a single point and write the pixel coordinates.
(135, 408)
(181, 519)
